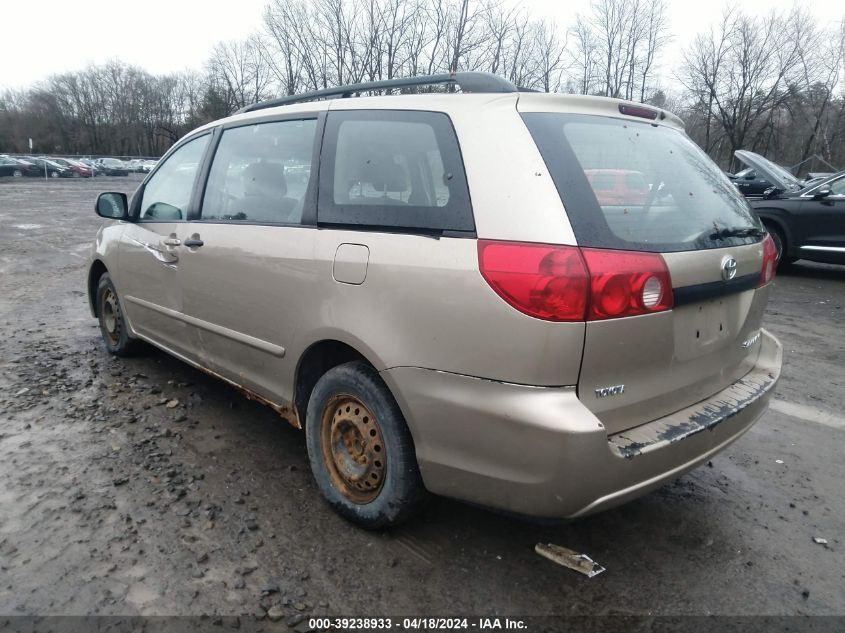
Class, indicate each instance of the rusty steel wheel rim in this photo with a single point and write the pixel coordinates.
(353, 448)
(110, 316)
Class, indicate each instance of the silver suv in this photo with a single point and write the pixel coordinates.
(547, 304)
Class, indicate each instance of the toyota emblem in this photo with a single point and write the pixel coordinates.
(728, 268)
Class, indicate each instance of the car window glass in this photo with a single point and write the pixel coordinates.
(837, 188)
(168, 192)
(393, 169)
(644, 187)
(601, 182)
(387, 162)
(261, 173)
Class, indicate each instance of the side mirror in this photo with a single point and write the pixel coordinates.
(751, 175)
(824, 192)
(112, 205)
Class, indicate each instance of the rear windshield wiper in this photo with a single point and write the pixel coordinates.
(746, 231)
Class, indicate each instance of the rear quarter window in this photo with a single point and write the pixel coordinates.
(393, 169)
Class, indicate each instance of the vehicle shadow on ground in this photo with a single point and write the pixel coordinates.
(812, 270)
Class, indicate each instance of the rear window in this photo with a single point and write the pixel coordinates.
(638, 186)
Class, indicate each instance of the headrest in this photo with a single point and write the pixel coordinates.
(384, 175)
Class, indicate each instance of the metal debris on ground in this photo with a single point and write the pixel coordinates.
(566, 557)
(819, 540)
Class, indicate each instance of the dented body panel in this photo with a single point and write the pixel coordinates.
(540, 452)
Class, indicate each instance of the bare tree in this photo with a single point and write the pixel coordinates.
(238, 70)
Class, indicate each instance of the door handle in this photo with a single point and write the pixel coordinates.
(172, 241)
(193, 242)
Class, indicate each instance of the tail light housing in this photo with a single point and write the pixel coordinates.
(567, 283)
(770, 261)
(543, 281)
(625, 283)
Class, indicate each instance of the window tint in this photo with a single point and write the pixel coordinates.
(393, 169)
(601, 182)
(168, 193)
(261, 173)
(837, 187)
(638, 186)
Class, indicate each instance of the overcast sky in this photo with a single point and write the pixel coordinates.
(42, 37)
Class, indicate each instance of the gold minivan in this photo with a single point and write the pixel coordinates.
(430, 285)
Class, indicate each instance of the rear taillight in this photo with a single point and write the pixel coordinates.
(544, 281)
(566, 283)
(624, 283)
(770, 261)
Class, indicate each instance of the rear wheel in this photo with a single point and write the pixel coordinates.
(17, 173)
(112, 322)
(361, 451)
(54, 174)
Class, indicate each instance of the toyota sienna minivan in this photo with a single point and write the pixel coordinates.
(431, 286)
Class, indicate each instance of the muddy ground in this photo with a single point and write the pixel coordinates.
(143, 486)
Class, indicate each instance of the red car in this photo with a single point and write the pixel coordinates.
(77, 169)
(618, 186)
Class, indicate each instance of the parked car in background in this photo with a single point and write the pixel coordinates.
(96, 170)
(814, 177)
(806, 221)
(135, 165)
(113, 167)
(818, 175)
(77, 169)
(749, 182)
(147, 166)
(16, 167)
(446, 301)
(618, 186)
(48, 167)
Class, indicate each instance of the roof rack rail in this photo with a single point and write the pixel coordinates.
(466, 81)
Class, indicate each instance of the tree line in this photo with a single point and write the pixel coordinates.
(770, 83)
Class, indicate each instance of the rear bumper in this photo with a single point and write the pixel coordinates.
(538, 451)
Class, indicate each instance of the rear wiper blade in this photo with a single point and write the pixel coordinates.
(746, 231)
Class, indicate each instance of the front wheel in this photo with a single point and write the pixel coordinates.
(361, 451)
(780, 246)
(17, 173)
(54, 174)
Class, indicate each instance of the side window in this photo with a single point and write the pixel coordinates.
(837, 187)
(394, 169)
(168, 193)
(260, 173)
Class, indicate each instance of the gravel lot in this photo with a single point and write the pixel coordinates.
(143, 486)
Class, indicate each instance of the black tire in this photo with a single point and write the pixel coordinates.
(54, 174)
(17, 173)
(366, 467)
(113, 327)
(780, 245)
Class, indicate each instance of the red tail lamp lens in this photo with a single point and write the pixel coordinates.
(565, 283)
(770, 261)
(624, 283)
(544, 281)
